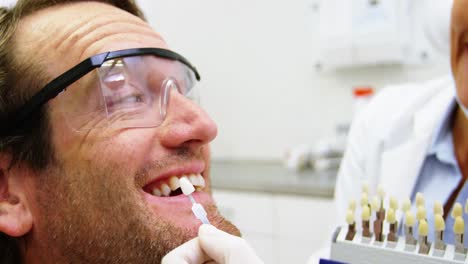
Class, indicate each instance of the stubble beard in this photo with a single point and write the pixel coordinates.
(93, 216)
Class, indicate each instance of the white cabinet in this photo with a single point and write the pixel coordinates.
(282, 229)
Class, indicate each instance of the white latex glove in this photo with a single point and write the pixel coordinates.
(213, 246)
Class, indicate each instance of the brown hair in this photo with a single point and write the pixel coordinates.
(18, 81)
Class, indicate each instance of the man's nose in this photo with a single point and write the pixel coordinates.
(186, 124)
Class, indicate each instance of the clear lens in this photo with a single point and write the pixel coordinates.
(127, 92)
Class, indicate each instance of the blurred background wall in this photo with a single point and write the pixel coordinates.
(264, 82)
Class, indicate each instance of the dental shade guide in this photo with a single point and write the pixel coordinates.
(406, 205)
(421, 213)
(363, 247)
(352, 205)
(438, 208)
(365, 188)
(381, 195)
(423, 230)
(365, 216)
(378, 222)
(457, 210)
(410, 242)
(391, 219)
(351, 225)
(459, 230)
(393, 203)
(420, 200)
(364, 200)
(439, 227)
(197, 209)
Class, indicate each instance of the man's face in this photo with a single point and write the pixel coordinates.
(95, 203)
(459, 48)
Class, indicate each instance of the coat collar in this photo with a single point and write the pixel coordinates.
(402, 162)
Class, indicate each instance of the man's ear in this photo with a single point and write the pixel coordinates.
(15, 215)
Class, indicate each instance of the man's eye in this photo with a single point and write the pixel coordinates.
(137, 98)
(131, 100)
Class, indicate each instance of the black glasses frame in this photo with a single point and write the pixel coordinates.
(14, 120)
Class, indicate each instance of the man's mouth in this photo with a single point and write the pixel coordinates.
(169, 187)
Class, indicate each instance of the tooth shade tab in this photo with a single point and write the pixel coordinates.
(419, 199)
(350, 217)
(466, 206)
(406, 205)
(438, 208)
(393, 203)
(421, 213)
(365, 188)
(391, 216)
(439, 222)
(409, 218)
(365, 214)
(459, 226)
(364, 200)
(457, 210)
(352, 205)
(375, 204)
(186, 186)
(423, 228)
(381, 192)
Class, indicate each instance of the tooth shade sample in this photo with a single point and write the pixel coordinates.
(421, 213)
(375, 204)
(459, 226)
(365, 215)
(364, 200)
(165, 189)
(186, 186)
(457, 210)
(439, 223)
(393, 203)
(391, 216)
(466, 206)
(352, 205)
(365, 188)
(438, 208)
(423, 228)
(419, 199)
(409, 218)
(174, 183)
(406, 205)
(380, 192)
(350, 217)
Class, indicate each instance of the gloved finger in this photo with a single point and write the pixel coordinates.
(226, 248)
(188, 253)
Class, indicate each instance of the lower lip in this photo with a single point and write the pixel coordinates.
(200, 197)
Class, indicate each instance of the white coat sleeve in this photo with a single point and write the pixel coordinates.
(352, 172)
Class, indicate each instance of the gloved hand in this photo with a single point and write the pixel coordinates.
(213, 246)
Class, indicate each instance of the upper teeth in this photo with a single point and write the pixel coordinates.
(172, 184)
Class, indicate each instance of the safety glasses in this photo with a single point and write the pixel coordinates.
(122, 89)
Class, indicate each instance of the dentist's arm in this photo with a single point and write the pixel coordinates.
(215, 245)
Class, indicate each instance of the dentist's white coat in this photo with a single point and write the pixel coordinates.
(389, 140)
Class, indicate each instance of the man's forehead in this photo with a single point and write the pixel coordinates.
(79, 30)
